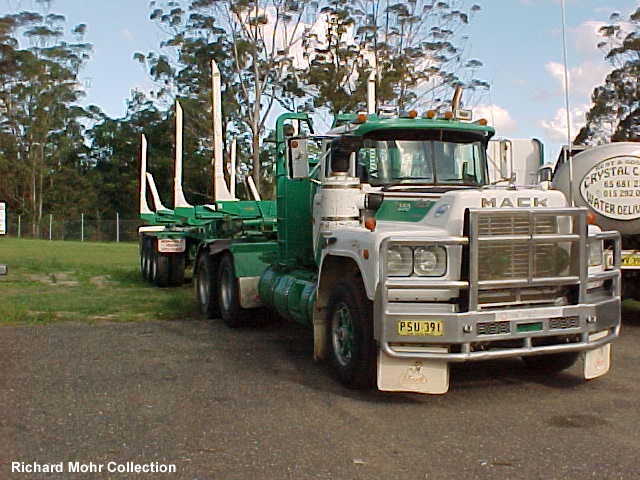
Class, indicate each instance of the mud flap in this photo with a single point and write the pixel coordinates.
(413, 374)
(598, 361)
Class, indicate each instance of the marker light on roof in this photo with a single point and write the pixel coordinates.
(431, 114)
(448, 115)
(361, 118)
(482, 121)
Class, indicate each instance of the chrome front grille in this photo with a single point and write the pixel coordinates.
(523, 257)
(510, 259)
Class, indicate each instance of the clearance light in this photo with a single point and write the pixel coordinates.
(431, 114)
(448, 115)
(591, 218)
(370, 224)
(361, 118)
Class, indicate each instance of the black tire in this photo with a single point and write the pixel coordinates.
(551, 364)
(231, 312)
(205, 286)
(144, 259)
(176, 270)
(153, 262)
(352, 349)
(162, 270)
(141, 249)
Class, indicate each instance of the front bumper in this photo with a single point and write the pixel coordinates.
(472, 336)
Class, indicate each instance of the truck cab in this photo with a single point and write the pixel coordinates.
(420, 262)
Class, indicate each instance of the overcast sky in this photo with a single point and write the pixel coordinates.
(518, 41)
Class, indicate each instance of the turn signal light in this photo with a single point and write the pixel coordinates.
(591, 218)
(370, 224)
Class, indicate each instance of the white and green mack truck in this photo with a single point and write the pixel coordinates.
(391, 244)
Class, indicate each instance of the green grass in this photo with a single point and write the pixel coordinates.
(53, 281)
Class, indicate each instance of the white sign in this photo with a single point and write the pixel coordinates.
(3, 218)
(612, 188)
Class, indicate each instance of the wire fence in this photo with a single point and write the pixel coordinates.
(86, 228)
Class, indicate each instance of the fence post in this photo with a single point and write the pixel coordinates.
(19, 226)
(82, 227)
(50, 225)
(117, 227)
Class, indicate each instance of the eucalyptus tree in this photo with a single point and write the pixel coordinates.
(254, 43)
(416, 48)
(615, 112)
(38, 89)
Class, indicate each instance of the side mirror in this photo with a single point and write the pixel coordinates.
(298, 158)
(545, 173)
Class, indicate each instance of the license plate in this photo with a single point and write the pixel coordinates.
(420, 328)
(632, 260)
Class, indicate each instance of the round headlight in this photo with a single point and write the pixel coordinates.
(399, 261)
(430, 261)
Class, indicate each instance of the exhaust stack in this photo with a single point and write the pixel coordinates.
(220, 189)
(371, 93)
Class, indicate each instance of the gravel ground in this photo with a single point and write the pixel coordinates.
(251, 404)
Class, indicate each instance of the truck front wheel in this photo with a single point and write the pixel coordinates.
(550, 364)
(352, 349)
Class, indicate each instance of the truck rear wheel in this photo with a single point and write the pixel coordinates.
(352, 349)
(228, 294)
(204, 286)
(550, 364)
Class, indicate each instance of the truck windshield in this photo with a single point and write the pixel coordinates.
(420, 162)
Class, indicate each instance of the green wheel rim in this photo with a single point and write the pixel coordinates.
(342, 334)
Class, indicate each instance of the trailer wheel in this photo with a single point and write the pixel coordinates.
(352, 349)
(145, 260)
(206, 293)
(231, 312)
(153, 264)
(176, 269)
(162, 269)
(551, 364)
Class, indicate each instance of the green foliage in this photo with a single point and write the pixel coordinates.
(615, 112)
(41, 133)
(410, 46)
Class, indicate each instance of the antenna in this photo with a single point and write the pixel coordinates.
(178, 194)
(567, 152)
(144, 206)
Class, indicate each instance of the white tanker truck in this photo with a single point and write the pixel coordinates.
(606, 179)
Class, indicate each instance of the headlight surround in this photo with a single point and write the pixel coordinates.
(430, 261)
(399, 261)
(595, 253)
